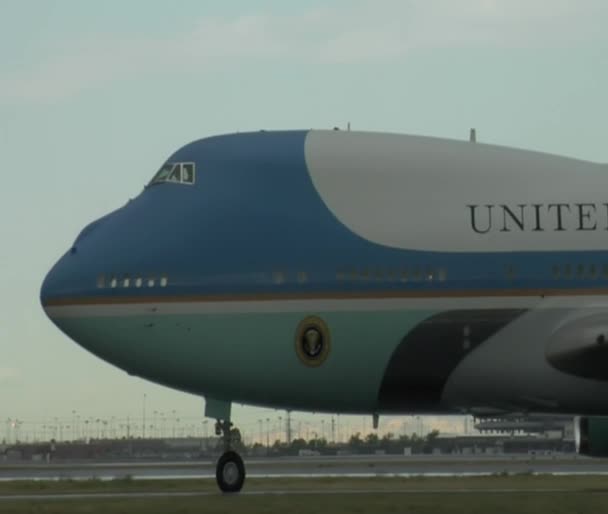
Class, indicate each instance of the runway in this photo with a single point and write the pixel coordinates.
(286, 492)
(341, 466)
(373, 482)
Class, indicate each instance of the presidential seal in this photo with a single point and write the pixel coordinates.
(312, 341)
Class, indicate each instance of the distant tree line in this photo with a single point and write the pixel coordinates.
(371, 443)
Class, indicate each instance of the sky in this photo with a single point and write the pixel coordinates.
(94, 96)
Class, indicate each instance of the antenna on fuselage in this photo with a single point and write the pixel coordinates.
(473, 136)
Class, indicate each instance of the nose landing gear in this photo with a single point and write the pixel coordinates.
(230, 469)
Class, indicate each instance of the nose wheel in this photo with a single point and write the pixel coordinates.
(230, 472)
(230, 469)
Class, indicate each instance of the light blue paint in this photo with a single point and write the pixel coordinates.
(251, 358)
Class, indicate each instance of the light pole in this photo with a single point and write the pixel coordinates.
(16, 425)
(288, 428)
(143, 424)
(268, 433)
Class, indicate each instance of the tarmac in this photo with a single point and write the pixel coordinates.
(333, 492)
(340, 466)
(306, 467)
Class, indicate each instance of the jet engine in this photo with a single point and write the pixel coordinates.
(591, 436)
(580, 347)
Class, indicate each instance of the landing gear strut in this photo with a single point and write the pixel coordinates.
(230, 470)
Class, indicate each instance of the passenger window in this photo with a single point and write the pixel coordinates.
(278, 277)
(163, 281)
(151, 282)
(126, 281)
(101, 281)
(138, 282)
(113, 282)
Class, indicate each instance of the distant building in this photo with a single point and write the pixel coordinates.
(548, 426)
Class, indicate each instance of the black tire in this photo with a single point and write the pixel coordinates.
(230, 472)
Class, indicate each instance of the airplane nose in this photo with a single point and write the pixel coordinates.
(62, 281)
(52, 287)
(51, 284)
(71, 274)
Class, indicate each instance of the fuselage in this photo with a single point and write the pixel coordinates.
(436, 275)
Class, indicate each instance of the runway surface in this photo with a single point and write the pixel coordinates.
(333, 492)
(341, 466)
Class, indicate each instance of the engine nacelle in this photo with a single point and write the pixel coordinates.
(580, 346)
(591, 436)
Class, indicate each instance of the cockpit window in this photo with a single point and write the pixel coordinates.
(188, 173)
(175, 172)
(175, 175)
(162, 174)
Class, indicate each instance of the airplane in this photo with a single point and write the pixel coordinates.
(353, 272)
